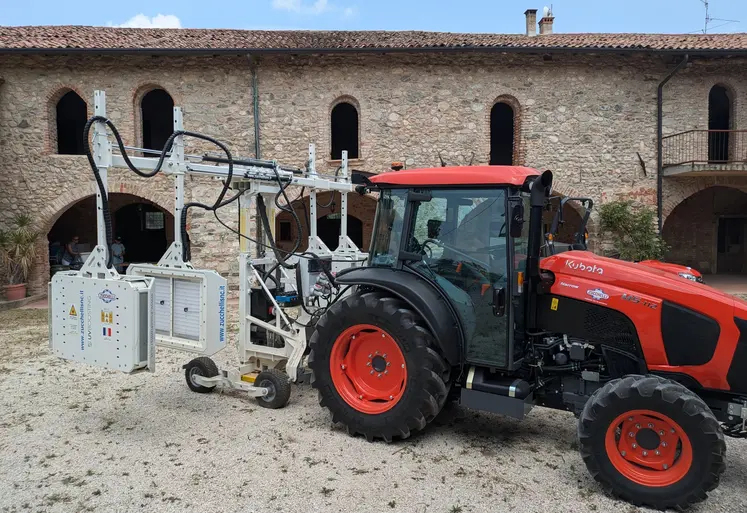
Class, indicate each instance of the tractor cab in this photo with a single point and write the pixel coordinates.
(466, 234)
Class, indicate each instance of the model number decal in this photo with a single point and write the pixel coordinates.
(637, 300)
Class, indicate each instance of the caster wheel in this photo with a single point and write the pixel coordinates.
(279, 388)
(202, 366)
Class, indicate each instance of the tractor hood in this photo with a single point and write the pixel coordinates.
(588, 274)
(673, 268)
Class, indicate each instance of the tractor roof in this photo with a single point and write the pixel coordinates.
(457, 175)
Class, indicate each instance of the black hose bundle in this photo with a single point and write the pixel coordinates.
(166, 149)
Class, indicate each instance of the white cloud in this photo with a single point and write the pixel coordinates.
(314, 8)
(157, 21)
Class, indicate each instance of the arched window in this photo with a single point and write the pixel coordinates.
(344, 131)
(157, 110)
(71, 119)
(719, 121)
(501, 134)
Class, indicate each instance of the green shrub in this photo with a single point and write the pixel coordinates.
(632, 231)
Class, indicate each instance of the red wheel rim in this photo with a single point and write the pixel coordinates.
(648, 448)
(368, 368)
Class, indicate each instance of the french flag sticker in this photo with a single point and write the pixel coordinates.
(107, 332)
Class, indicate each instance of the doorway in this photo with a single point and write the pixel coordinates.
(719, 122)
(501, 135)
(730, 246)
(328, 229)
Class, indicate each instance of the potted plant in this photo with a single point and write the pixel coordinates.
(17, 251)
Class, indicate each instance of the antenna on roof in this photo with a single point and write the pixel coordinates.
(708, 19)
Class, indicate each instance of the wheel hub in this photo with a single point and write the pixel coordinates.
(368, 368)
(648, 448)
(378, 363)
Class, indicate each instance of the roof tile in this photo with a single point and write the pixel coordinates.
(106, 38)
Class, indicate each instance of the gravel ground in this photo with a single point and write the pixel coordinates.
(74, 438)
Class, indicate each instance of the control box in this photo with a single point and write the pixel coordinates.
(104, 322)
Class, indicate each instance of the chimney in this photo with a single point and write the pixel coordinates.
(546, 22)
(531, 15)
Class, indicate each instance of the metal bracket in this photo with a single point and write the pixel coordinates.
(173, 257)
(95, 265)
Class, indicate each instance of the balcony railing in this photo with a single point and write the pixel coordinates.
(705, 147)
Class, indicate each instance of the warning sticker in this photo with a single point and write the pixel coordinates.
(73, 313)
(107, 317)
(554, 304)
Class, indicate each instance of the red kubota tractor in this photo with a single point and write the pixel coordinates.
(457, 301)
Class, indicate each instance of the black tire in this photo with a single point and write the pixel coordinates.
(279, 387)
(427, 383)
(659, 396)
(202, 366)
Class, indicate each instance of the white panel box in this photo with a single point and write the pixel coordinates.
(104, 322)
(190, 312)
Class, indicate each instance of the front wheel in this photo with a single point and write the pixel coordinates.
(375, 367)
(652, 442)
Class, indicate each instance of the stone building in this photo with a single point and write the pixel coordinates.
(583, 105)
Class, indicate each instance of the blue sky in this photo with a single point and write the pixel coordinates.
(503, 16)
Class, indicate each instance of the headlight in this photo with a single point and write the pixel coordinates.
(688, 276)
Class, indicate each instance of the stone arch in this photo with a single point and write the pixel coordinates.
(137, 99)
(352, 101)
(700, 227)
(362, 208)
(54, 210)
(53, 97)
(515, 105)
(677, 192)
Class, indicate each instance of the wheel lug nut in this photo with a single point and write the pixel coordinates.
(672, 430)
(403, 365)
(391, 397)
(650, 426)
(388, 364)
(635, 446)
(383, 336)
(663, 444)
(386, 372)
(630, 419)
(661, 433)
(638, 426)
(657, 452)
(368, 364)
(370, 355)
(665, 466)
(379, 375)
(384, 355)
(372, 371)
(645, 453)
(622, 452)
(343, 366)
(631, 435)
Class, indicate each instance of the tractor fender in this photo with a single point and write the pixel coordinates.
(425, 298)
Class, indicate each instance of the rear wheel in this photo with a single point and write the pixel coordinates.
(375, 367)
(651, 442)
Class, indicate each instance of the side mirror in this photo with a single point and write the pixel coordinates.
(517, 220)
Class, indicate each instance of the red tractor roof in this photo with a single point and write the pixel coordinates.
(457, 175)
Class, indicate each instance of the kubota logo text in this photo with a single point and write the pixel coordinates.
(577, 266)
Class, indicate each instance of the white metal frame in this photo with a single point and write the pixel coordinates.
(260, 178)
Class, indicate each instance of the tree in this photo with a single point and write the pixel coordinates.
(632, 230)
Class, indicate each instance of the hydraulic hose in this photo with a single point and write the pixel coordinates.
(219, 202)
